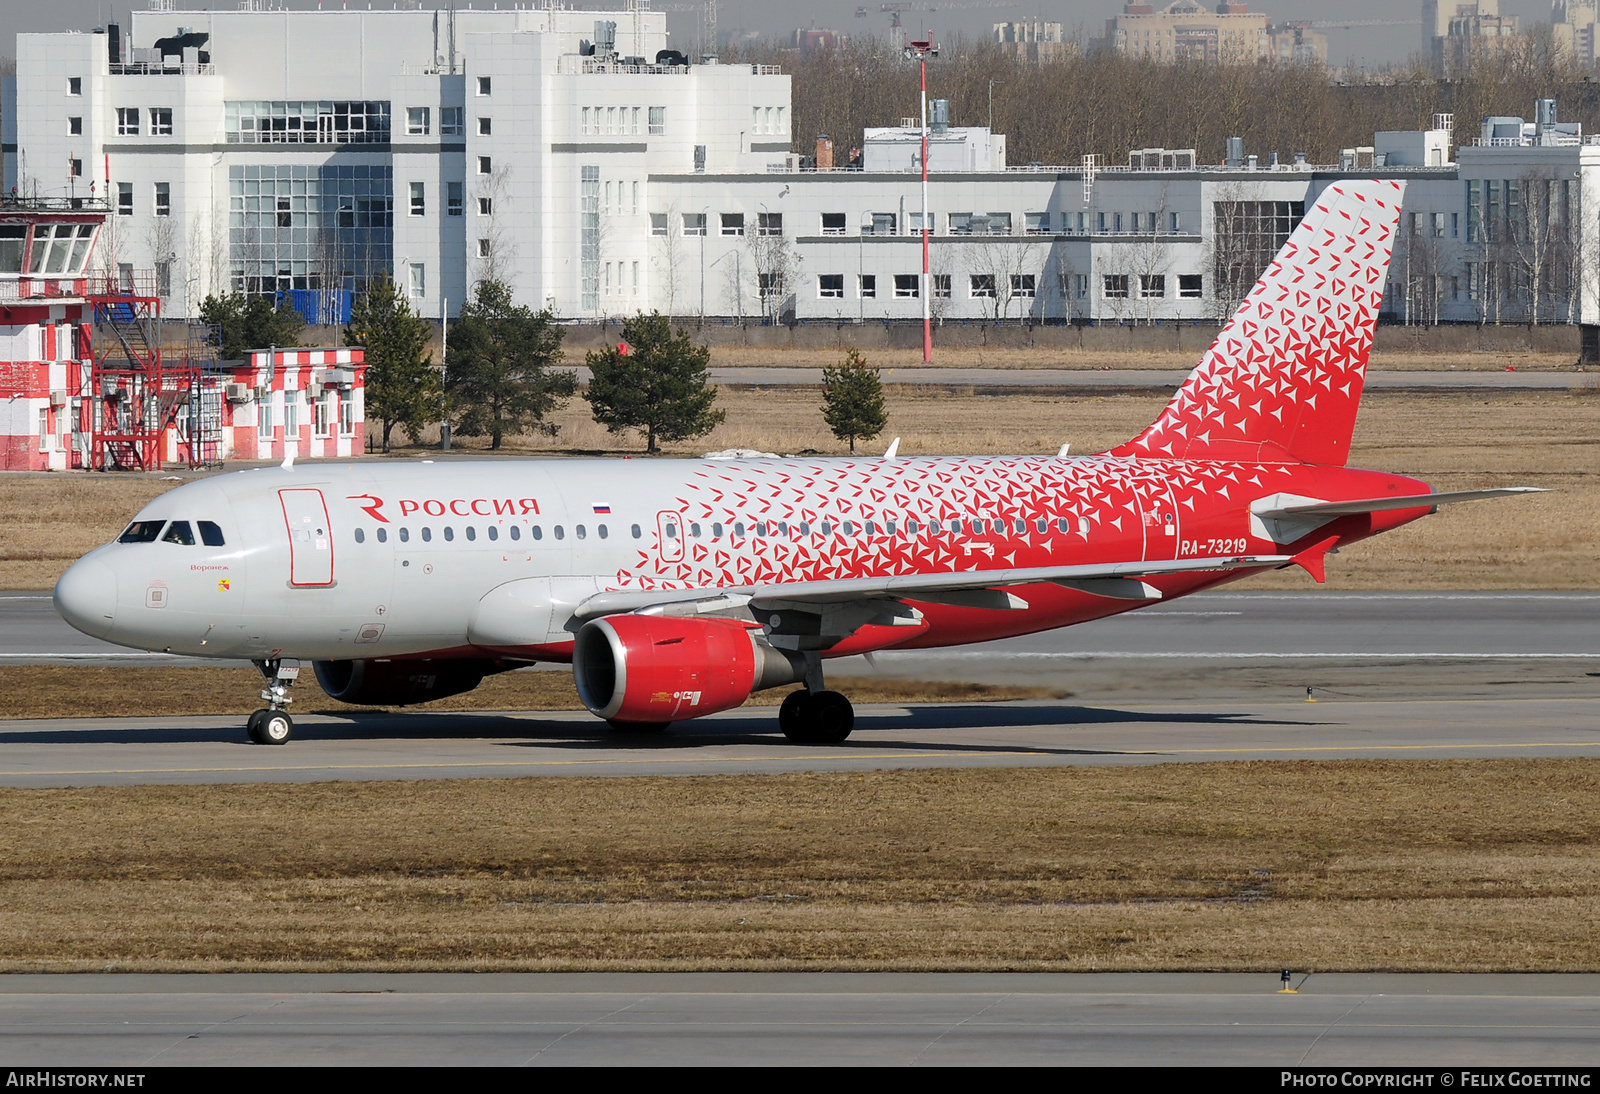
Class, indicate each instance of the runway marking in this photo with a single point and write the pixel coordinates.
(529, 763)
(776, 759)
(1364, 748)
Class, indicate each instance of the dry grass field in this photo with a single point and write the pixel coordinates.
(89, 691)
(1464, 865)
(1451, 440)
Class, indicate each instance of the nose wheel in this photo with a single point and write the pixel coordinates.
(273, 726)
(270, 727)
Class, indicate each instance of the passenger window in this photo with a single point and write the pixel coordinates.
(672, 531)
(516, 533)
(783, 528)
(911, 527)
(179, 532)
(210, 534)
(361, 537)
(449, 534)
(805, 528)
(849, 528)
(955, 527)
(405, 535)
(738, 527)
(580, 531)
(538, 532)
(716, 530)
(694, 529)
(561, 533)
(826, 528)
(890, 528)
(427, 534)
(494, 533)
(761, 527)
(636, 532)
(142, 531)
(603, 532)
(472, 533)
(1044, 525)
(977, 527)
(1061, 523)
(383, 536)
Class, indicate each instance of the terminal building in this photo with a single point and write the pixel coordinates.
(579, 158)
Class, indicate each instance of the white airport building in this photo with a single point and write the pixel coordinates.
(575, 156)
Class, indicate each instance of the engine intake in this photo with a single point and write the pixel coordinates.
(399, 683)
(651, 668)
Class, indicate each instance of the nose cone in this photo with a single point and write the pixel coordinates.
(86, 596)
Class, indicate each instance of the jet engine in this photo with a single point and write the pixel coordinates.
(653, 669)
(400, 683)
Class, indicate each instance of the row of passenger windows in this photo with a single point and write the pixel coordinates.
(911, 526)
(514, 531)
(179, 532)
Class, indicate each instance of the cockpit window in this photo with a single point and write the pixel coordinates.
(142, 531)
(210, 534)
(179, 532)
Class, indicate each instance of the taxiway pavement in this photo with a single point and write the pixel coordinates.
(1216, 677)
(1541, 1022)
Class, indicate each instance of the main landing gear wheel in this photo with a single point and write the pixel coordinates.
(270, 727)
(637, 727)
(825, 718)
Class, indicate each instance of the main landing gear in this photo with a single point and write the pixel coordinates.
(273, 726)
(816, 716)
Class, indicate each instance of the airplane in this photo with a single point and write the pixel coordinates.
(677, 588)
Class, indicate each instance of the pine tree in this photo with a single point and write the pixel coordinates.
(245, 323)
(500, 370)
(402, 385)
(658, 384)
(852, 400)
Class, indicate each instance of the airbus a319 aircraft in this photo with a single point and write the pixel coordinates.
(676, 588)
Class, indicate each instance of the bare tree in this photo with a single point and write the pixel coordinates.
(670, 257)
(941, 272)
(776, 267)
(1537, 243)
(1008, 263)
(495, 253)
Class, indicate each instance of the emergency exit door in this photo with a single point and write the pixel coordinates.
(305, 514)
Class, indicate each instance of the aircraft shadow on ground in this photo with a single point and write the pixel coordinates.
(580, 732)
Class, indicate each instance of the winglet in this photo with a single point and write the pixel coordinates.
(288, 462)
(893, 450)
(1064, 450)
(1314, 559)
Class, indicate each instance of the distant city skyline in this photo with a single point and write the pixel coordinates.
(775, 19)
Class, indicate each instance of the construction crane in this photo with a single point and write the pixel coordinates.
(897, 33)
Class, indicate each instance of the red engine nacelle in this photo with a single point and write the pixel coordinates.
(652, 668)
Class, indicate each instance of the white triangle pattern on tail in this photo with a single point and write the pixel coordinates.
(1283, 380)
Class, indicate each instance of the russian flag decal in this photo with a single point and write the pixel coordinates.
(602, 510)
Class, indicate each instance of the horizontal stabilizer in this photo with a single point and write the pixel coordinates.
(1385, 505)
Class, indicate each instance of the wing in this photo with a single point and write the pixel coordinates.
(972, 588)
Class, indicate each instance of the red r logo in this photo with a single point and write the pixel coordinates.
(372, 506)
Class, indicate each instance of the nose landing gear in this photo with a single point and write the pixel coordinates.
(273, 726)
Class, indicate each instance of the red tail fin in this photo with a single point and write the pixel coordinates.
(1282, 382)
